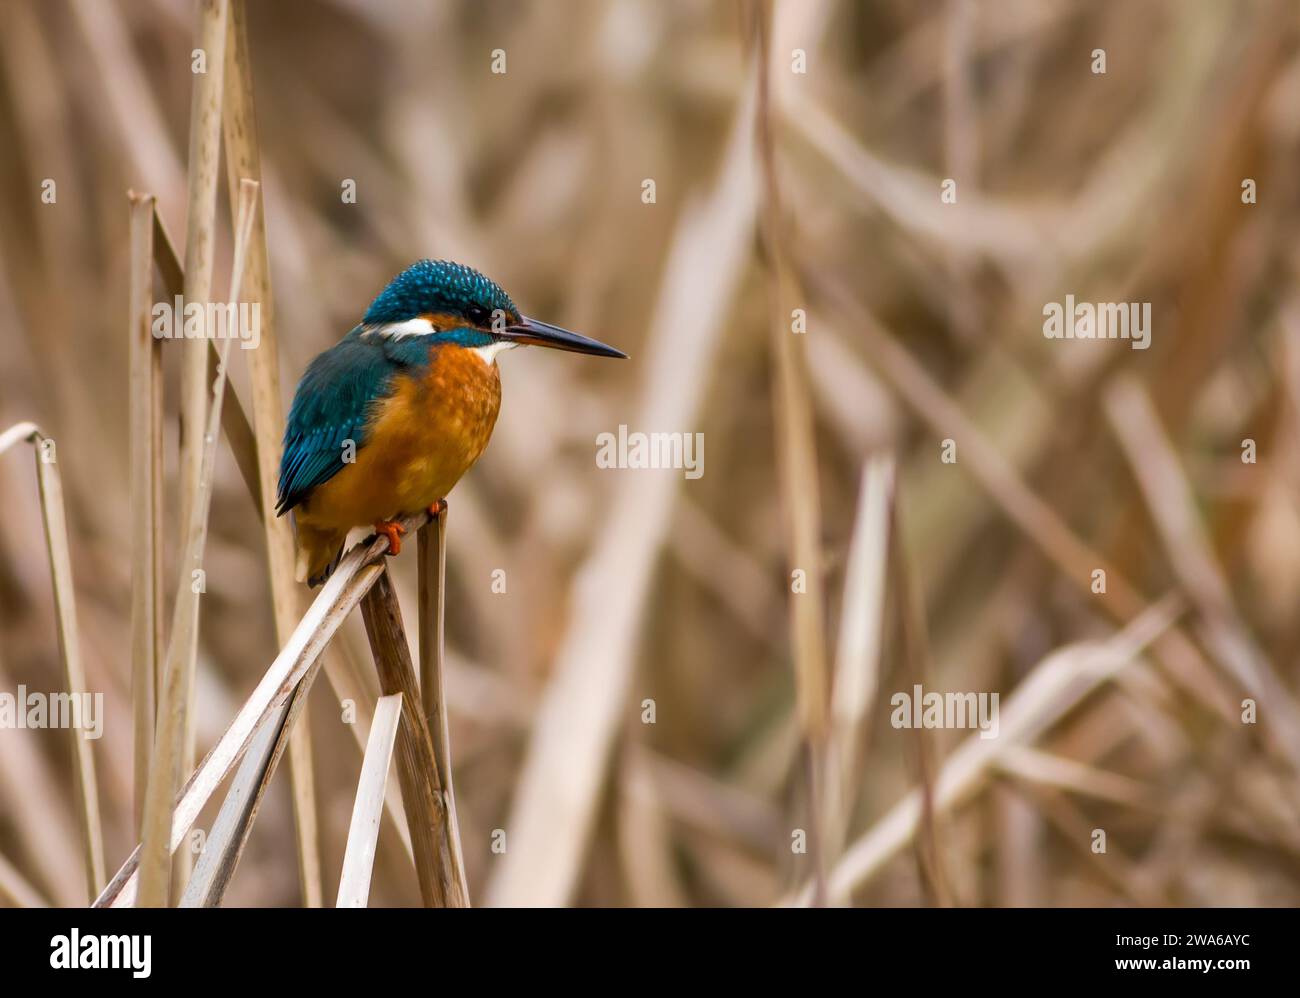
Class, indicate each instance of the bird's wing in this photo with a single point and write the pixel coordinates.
(332, 405)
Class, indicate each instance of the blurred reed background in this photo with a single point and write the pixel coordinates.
(819, 191)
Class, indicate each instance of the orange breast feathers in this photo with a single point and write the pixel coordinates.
(419, 442)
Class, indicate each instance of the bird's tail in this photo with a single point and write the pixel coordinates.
(318, 552)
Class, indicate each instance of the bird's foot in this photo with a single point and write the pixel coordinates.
(393, 531)
(438, 508)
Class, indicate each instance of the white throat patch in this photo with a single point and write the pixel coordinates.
(490, 351)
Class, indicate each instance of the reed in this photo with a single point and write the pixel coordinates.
(427, 799)
(175, 701)
(243, 161)
(297, 662)
(146, 498)
(196, 441)
(363, 833)
(54, 519)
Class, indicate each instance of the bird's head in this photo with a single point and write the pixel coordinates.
(450, 303)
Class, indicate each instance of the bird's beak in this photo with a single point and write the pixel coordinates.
(543, 334)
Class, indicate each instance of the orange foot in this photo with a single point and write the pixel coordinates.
(393, 531)
(438, 508)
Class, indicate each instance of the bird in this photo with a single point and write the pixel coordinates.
(384, 423)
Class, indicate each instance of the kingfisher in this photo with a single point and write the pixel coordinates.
(387, 420)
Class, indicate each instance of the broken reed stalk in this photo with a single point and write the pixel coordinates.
(431, 601)
(243, 160)
(74, 677)
(368, 807)
(441, 881)
(54, 519)
(146, 496)
(298, 662)
(225, 841)
(234, 421)
(175, 705)
(340, 672)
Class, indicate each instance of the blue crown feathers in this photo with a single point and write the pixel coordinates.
(433, 286)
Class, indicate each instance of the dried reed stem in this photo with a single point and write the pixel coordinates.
(243, 160)
(298, 662)
(441, 885)
(225, 841)
(54, 519)
(368, 807)
(432, 611)
(146, 497)
(796, 453)
(204, 164)
(200, 239)
(857, 653)
(916, 655)
(175, 705)
(234, 421)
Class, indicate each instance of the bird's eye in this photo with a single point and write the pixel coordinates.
(477, 314)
